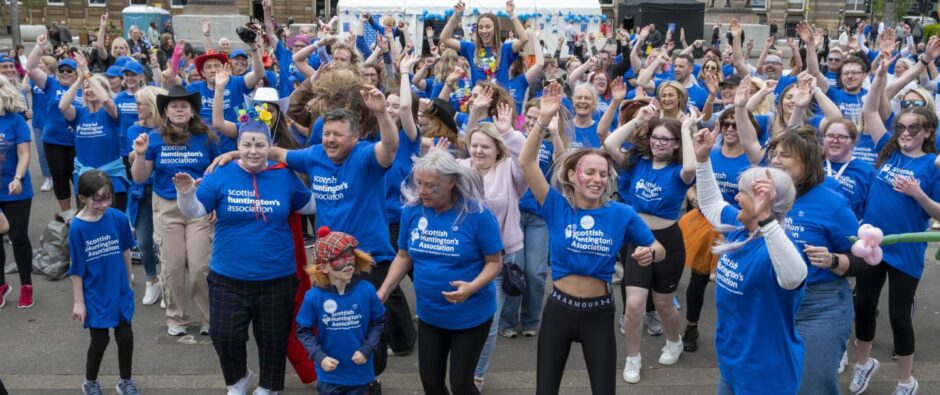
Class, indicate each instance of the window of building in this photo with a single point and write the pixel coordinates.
(97, 3)
(55, 2)
(757, 4)
(796, 5)
(855, 5)
(138, 2)
(177, 3)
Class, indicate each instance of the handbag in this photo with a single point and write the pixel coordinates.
(514, 283)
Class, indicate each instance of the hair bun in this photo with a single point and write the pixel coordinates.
(323, 231)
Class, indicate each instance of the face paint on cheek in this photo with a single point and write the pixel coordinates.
(579, 172)
(436, 189)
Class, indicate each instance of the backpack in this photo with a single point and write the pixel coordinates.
(52, 256)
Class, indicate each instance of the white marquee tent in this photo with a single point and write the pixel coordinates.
(554, 16)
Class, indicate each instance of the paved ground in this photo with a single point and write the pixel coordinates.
(43, 352)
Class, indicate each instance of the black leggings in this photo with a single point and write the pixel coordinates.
(464, 347)
(17, 213)
(901, 290)
(695, 296)
(568, 319)
(123, 336)
(61, 161)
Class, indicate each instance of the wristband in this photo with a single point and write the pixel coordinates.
(835, 262)
(765, 222)
(816, 90)
(654, 254)
(541, 125)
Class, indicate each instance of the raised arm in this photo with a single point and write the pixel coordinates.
(227, 128)
(141, 168)
(933, 49)
(740, 63)
(710, 201)
(802, 95)
(873, 121)
(797, 59)
(688, 149)
(32, 63)
(806, 34)
(302, 57)
(269, 23)
(529, 157)
(615, 140)
(206, 41)
(522, 38)
(618, 91)
(386, 148)
(65, 104)
(746, 132)
(447, 33)
(257, 66)
(534, 74)
(756, 99)
(645, 78)
(102, 32)
(407, 116)
(575, 77)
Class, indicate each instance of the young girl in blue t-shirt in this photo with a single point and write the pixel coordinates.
(100, 240)
(346, 312)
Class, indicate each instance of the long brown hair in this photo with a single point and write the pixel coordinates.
(642, 146)
(177, 135)
(801, 143)
(497, 43)
(929, 126)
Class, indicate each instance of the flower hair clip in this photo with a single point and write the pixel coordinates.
(255, 113)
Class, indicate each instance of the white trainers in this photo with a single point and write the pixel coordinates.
(264, 391)
(204, 329)
(46, 185)
(153, 293)
(671, 353)
(176, 330)
(862, 376)
(844, 361)
(907, 389)
(631, 372)
(241, 387)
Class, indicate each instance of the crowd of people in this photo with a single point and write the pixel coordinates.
(473, 167)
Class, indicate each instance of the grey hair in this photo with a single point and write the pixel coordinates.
(783, 202)
(590, 88)
(468, 188)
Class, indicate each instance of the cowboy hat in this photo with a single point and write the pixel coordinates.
(443, 110)
(201, 59)
(177, 92)
(269, 95)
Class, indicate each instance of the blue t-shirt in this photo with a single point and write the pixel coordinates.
(342, 324)
(867, 149)
(586, 242)
(854, 182)
(13, 131)
(756, 319)
(586, 137)
(98, 141)
(127, 106)
(193, 158)
(445, 247)
(527, 202)
(234, 98)
(346, 195)
(831, 77)
(56, 129)
(484, 62)
(895, 212)
(40, 106)
(97, 256)
(399, 171)
(821, 217)
(285, 62)
(658, 192)
(130, 135)
(253, 241)
(849, 104)
(727, 171)
(517, 88)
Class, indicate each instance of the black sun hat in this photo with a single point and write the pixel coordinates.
(177, 92)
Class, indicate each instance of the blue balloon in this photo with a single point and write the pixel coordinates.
(604, 18)
(448, 13)
(596, 19)
(425, 12)
(420, 18)
(548, 18)
(476, 11)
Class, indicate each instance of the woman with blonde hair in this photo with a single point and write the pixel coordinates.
(673, 99)
(16, 190)
(140, 196)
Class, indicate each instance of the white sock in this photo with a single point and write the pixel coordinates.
(864, 365)
(674, 344)
(907, 385)
(635, 358)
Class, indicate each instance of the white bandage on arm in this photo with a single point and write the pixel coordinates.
(710, 201)
(189, 205)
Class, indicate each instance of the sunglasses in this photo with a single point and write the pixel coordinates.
(912, 129)
(833, 59)
(913, 103)
(66, 71)
(728, 125)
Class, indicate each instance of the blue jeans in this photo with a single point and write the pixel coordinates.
(484, 363)
(535, 265)
(824, 321)
(144, 231)
(37, 142)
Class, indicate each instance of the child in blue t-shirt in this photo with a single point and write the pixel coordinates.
(100, 240)
(346, 312)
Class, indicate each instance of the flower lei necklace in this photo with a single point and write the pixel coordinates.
(486, 61)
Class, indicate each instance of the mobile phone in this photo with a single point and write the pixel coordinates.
(671, 27)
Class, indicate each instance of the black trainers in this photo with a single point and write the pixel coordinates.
(375, 388)
(309, 240)
(690, 339)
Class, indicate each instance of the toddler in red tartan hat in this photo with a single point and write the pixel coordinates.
(336, 259)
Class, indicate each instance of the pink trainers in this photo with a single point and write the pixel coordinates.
(26, 297)
(5, 290)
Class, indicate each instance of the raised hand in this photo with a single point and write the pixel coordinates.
(551, 101)
(743, 92)
(803, 93)
(104, 19)
(503, 118)
(373, 98)
(484, 99)
(618, 89)
(711, 83)
(41, 40)
(205, 26)
(408, 63)
(704, 141)
(510, 8)
(648, 112)
(735, 28)
(222, 76)
(764, 192)
(140, 144)
(459, 7)
(184, 182)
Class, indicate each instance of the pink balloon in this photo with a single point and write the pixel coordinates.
(876, 255)
(860, 249)
(872, 235)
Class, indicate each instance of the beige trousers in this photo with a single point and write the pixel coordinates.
(185, 248)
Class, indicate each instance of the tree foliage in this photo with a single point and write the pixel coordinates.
(900, 8)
